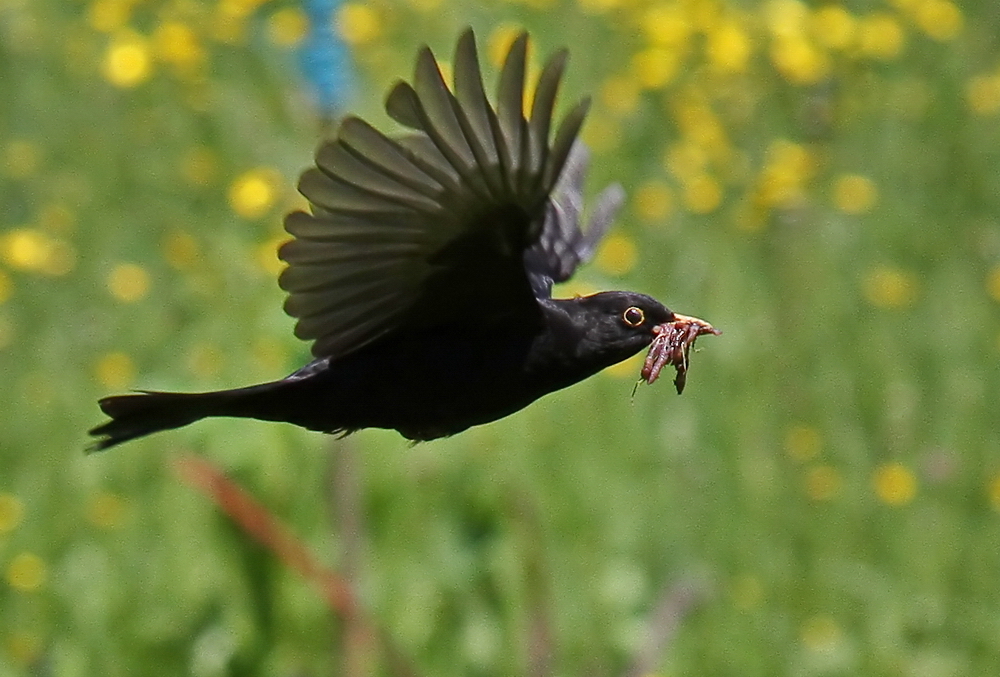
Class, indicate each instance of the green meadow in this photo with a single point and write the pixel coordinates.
(819, 180)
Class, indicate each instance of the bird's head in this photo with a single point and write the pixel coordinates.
(616, 325)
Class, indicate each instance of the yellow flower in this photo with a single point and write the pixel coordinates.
(31, 249)
(11, 512)
(667, 25)
(655, 67)
(799, 61)
(786, 18)
(26, 572)
(983, 94)
(702, 194)
(652, 200)
(24, 248)
(254, 193)
(822, 483)
(177, 44)
(287, 26)
(358, 24)
(109, 15)
(729, 48)
(790, 167)
(895, 484)
(127, 61)
(834, 27)
(115, 371)
(940, 19)
(803, 442)
(128, 282)
(888, 287)
(880, 36)
(854, 194)
(616, 255)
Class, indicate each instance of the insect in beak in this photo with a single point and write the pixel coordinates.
(671, 345)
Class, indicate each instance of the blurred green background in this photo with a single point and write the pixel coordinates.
(819, 180)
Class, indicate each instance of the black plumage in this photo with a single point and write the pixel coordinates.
(423, 272)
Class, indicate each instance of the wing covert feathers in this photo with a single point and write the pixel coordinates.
(564, 245)
(382, 207)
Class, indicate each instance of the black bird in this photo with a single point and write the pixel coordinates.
(423, 273)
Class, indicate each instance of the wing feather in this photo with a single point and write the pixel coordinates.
(370, 145)
(335, 160)
(564, 245)
(510, 106)
(473, 111)
(437, 223)
(542, 107)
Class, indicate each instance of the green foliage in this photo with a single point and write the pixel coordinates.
(818, 181)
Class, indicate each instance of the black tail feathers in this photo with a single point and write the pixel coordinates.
(147, 412)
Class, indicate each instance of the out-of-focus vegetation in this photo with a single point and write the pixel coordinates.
(819, 180)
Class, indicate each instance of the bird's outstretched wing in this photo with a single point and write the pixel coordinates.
(563, 246)
(432, 226)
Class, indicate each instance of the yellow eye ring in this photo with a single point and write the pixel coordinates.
(633, 316)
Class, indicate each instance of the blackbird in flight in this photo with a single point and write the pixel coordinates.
(423, 271)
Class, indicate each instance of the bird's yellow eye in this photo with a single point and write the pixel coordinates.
(633, 316)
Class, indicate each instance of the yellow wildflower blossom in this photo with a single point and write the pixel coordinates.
(834, 27)
(287, 26)
(889, 287)
(729, 48)
(254, 192)
(115, 371)
(895, 484)
(854, 194)
(358, 24)
(940, 19)
(26, 572)
(616, 255)
(880, 36)
(127, 60)
(702, 194)
(983, 94)
(128, 282)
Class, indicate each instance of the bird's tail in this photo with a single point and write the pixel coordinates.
(148, 412)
